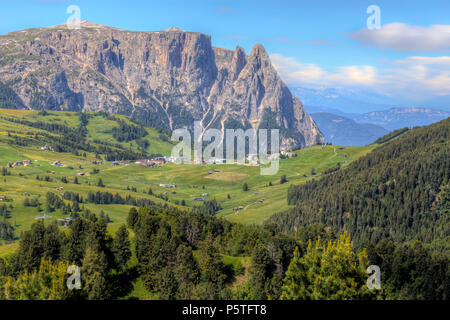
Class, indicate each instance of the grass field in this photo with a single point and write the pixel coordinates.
(221, 182)
(218, 181)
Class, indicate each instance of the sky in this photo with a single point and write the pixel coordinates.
(312, 43)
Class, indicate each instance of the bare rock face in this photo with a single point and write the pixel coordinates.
(166, 78)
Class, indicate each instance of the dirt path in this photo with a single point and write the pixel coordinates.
(335, 153)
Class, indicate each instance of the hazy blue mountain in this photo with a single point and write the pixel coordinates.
(316, 109)
(343, 131)
(349, 101)
(396, 118)
(351, 104)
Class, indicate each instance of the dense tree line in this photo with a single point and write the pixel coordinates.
(179, 256)
(411, 270)
(6, 231)
(210, 207)
(86, 245)
(399, 190)
(127, 132)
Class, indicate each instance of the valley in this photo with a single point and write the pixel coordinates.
(190, 180)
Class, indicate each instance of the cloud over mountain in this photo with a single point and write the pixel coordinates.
(415, 78)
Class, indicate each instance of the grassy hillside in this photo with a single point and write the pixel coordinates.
(399, 191)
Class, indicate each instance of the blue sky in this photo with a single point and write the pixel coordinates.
(312, 43)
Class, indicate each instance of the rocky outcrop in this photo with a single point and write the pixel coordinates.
(166, 78)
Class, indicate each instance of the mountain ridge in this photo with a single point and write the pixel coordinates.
(161, 78)
(343, 131)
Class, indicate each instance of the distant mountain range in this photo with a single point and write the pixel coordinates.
(360, 101)
(343, 131)
(353, 129)
(396, 118)
(352, 101)
(366, 117)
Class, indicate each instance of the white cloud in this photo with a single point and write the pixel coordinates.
(413, 78)
(293, 71)
(404, 37)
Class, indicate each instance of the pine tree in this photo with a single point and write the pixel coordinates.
(327, 272)
(100, 183)
(121, 248)
(93, 275)
(132, 217)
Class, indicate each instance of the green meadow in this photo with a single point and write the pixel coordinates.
(221, 182)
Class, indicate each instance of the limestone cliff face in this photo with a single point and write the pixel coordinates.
(167, 78)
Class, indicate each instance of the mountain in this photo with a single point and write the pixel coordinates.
(317, 109)
(391, 119)
(165, 78)
(396, 118)
(343, 131)
(352, 101)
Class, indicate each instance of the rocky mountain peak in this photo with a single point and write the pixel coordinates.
(260, 51)
(174, 29)
(165, 78)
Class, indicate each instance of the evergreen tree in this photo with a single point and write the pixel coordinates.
(93, 275)
(100, 183)
(132, 217)
(327, 272)
(121, 248)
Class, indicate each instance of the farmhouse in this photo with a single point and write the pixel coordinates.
(115, 163)
(96, 162)
(252, 158)
(288, 154)
(145, 163)
(80, 174)
(17, 163)
(43, 217)
(196, 199)
(65, 222)
(158, 162)
(56, 163)
(2, 198)
(171, 186)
